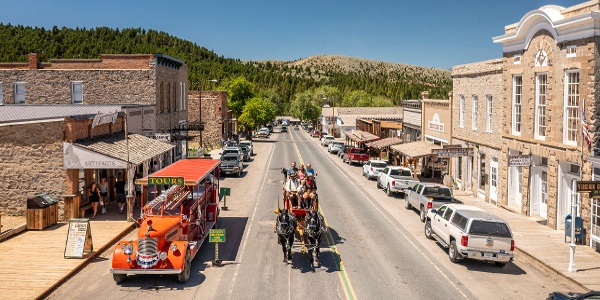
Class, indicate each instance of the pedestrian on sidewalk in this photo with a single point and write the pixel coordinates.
(103, 185)
(94, 197)
(120, 193)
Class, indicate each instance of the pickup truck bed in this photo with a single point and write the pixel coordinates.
(425, 196)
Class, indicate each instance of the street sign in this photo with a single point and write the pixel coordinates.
(225, 191)
(79, 238)
(166, 180)
(216, 236)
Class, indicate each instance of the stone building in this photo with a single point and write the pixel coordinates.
(55, 149)
(217, 119)
(550, 75)
(155, 80)
(477, 126)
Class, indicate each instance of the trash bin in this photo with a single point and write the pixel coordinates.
(42, 211)
(579, 234)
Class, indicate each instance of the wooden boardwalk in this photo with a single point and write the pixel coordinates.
(33, 261)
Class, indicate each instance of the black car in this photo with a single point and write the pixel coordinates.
(573, 296)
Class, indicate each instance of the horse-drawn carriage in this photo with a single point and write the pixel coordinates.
(299, 228)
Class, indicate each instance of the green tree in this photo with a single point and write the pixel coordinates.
(257, 111)
(239, 91)
(275, 99)
(306, 106)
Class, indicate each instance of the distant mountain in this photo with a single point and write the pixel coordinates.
(392, 80)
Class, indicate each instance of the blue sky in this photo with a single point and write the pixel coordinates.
(431, 33)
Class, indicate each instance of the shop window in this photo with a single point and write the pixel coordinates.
(488, 122)
(475, 114)
(540, 106)
(571, 51)
(0, 93)
(461, 112)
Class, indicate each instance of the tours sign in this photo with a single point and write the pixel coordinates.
(166, 180)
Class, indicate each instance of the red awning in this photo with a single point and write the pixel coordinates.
(192, 170)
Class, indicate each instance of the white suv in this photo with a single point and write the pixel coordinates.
(326, 139)
(372, 168)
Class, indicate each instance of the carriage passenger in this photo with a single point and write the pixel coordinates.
(310, 170)
(292, 190)
(309, 196)
(301, 173)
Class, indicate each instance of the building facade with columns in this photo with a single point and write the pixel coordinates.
(549, 82)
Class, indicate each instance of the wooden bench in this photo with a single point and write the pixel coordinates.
(84, 208)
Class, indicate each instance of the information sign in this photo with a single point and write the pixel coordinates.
(519, 160)
(79, 238)
(217, 236)
(453, 152)
(225, 191)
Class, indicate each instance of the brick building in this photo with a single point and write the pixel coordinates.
(477, 125)
(218, 121)
(550, 66)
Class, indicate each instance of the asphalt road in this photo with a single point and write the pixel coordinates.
(374, 249)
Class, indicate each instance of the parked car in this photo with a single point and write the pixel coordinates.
(246, 152)
(237, 150)
(355, 155)
(335, 146)
(470, 232)
(326, 139)
(372, 168)
(425, 196)
(343, 151)
(231, 164)
(284, 128)
(263, 133)
(396, 179)
(249, 145)
(316, 134)
(593, 295)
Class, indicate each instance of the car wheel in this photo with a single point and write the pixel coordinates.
(423, 214)
(184, 276)
(406, 203)
(428, 232)
(499, 264)
(378, 185)
(453, 252)
(388, 191)
(118, 278)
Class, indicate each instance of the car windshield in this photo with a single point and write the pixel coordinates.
(378, 165)
(358, 151)
(231, 151)
(229, 158)
(400, 172)
(482, 227)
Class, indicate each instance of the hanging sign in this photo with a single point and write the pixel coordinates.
(79, 238)
(519, 160)
(452, 152)
(166, 180)
(100, 119)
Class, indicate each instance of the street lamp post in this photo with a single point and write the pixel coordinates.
(200, 108)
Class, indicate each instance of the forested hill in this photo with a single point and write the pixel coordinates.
(394, 81)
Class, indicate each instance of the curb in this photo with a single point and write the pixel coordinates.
(85, 261)
(550, 269)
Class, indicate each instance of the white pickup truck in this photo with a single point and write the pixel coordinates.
(470, 232)
(396, 179)
(425, 196)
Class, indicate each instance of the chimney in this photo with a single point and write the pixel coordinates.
(33, 61)
(425, 95)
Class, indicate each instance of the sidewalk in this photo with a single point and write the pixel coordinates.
(33, 262)
(545, 244)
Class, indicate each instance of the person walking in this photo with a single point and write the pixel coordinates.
(120, 193)
(103, 185)
(94, 197)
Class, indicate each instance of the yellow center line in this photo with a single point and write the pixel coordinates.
(343, 275)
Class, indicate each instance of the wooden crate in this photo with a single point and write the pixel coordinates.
(42, 218)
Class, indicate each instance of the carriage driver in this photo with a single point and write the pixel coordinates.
(292, 190)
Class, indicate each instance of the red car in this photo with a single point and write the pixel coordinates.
(316, 133)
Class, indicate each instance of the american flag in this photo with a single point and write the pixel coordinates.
(584, 128)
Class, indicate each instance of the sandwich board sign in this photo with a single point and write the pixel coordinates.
(79, 238)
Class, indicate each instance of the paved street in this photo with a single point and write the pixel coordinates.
(375, 249)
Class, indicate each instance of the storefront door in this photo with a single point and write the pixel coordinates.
(567, 174)
(539, 191)
(515, 197)
(494, 181)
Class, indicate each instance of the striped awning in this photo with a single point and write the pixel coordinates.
(384, 143)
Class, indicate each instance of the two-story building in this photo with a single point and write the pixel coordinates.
(550, 106)
(477, 126)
